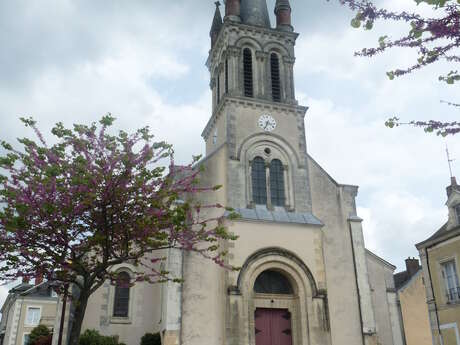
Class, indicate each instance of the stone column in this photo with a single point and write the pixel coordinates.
(289, 79)
(172, 311)
(364, 291)
(267, 174)
(287, 188)
(234, 86)
(261, 80)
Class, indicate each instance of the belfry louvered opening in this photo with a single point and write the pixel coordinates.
(259, 181)
(247, 70)
(277, 183)
(275, 74)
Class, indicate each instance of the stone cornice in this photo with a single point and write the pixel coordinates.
(248, 29)
(251, 102)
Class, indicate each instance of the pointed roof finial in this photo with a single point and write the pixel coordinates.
(449, 161)
(217, 24)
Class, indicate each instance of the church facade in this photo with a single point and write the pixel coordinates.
(304, 277)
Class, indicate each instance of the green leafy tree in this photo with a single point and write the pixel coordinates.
(39, 335)
(93, 337)
(151, 339)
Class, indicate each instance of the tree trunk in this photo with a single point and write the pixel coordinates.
(79, 313)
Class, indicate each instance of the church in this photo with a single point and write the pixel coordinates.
(306, 277)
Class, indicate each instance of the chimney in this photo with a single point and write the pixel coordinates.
(453, 185)
(412, 266)
(25, 280)
(232, 10)
(283, 15)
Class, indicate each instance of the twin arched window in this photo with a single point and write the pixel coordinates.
(248, 77)
(122, 294)
(259, 182)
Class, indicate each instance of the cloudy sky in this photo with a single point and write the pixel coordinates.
(143, 61)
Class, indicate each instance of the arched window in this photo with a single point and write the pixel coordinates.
(247, 70)
(277, 183)
(259, 181)
(121, 298)
(275, 73)
(272, 282)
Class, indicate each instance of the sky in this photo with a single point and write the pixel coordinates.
(144, 62)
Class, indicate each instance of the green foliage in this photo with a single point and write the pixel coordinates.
(38, 333)
(151, 339)
(93, 337)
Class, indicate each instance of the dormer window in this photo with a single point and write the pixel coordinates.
(457, 213)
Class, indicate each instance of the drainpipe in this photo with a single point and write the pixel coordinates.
(432, 292)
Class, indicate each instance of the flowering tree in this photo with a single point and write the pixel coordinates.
(73, 210)
(435, 39)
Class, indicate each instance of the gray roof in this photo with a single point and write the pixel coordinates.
(443, 234)
(278, 215)
(255, 12)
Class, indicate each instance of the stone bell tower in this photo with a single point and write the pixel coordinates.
(254, 105)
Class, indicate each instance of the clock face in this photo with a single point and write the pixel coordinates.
(267, 123)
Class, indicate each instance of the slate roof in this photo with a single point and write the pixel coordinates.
(440, 234)
(401, 278)
(278, 215)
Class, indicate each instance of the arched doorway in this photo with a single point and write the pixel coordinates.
(273, 325)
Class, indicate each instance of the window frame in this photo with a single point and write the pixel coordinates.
(276, 151)
(275, 76)
(445, 280)
(24, 338)
(26, 320)
(122, 319)
(278, 191)
(254, 178)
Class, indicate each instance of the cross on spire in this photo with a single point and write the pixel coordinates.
(449, 161)
(217, 3)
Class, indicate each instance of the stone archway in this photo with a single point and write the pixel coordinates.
(304, 304)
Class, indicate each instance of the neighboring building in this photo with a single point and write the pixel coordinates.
(306, 276)
(410, 286)
(384, 299)
(440, 254)
(26, 307)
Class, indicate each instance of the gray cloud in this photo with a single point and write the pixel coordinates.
(143, 60)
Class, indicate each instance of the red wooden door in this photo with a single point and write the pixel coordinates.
(273, 327)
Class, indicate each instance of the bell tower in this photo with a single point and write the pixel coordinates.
(255, 114)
